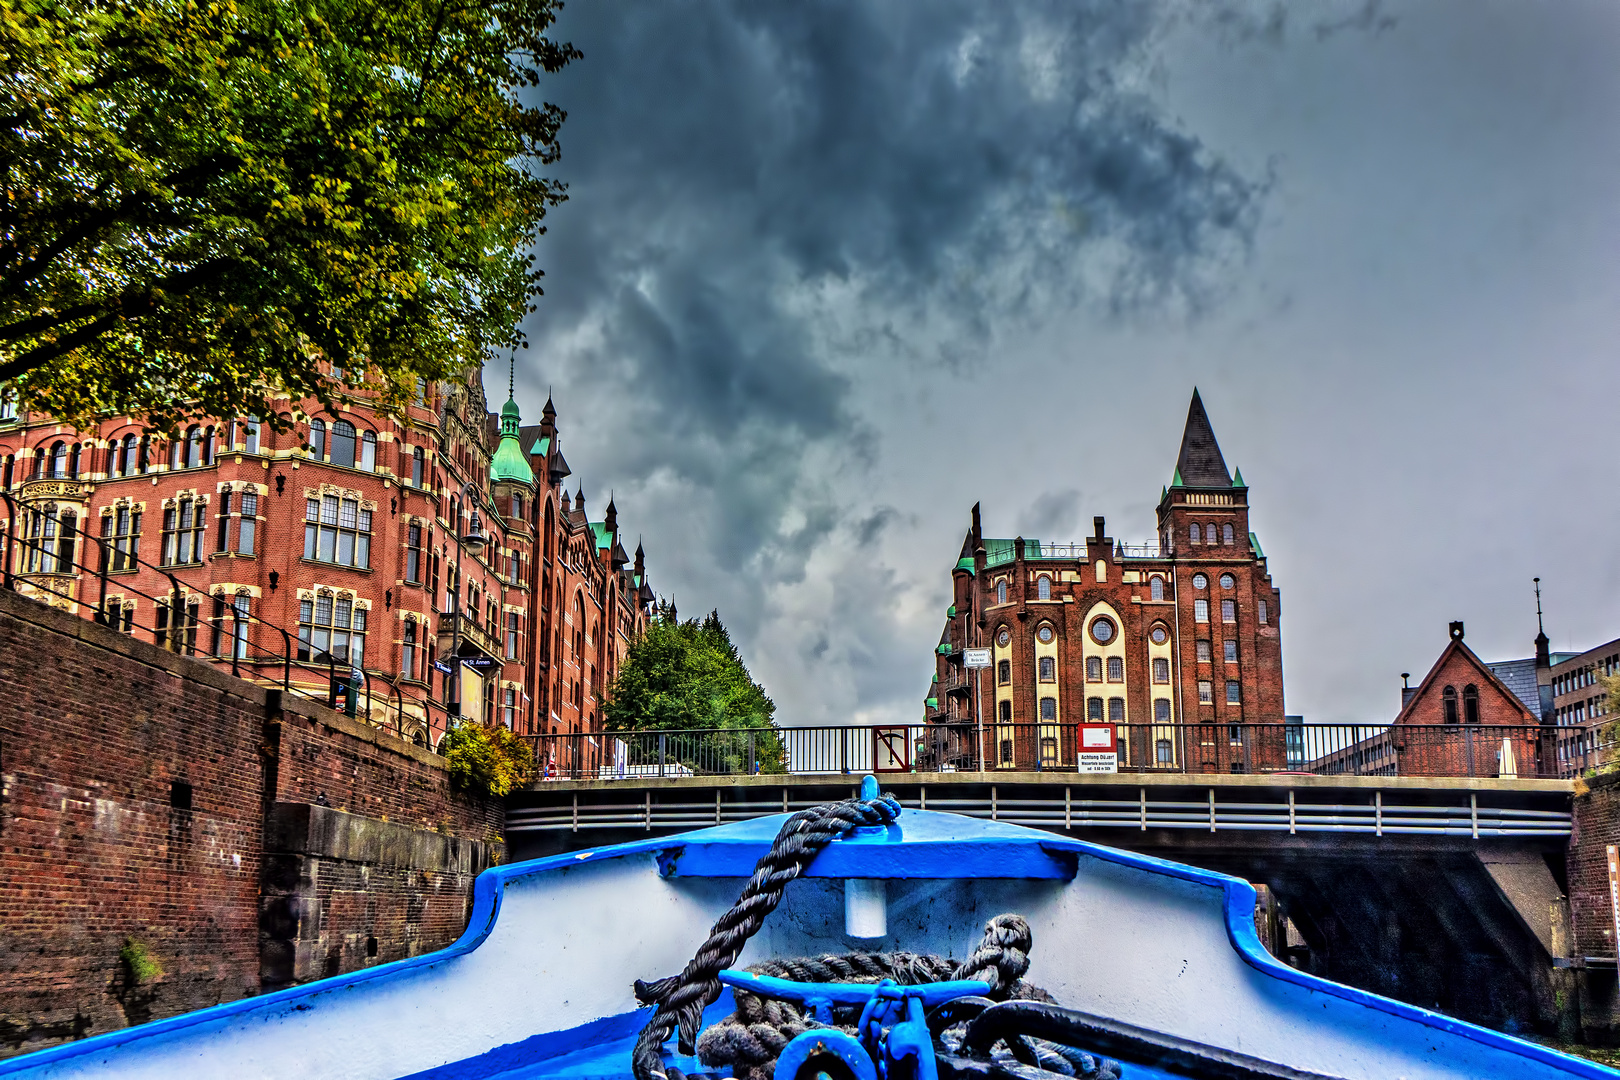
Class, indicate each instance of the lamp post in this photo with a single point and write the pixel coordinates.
(474, 539)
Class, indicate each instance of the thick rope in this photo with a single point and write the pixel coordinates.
(751, 1039)
(682, 998)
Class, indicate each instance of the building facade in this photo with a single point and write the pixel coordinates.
(1176, 643)
(436, 553)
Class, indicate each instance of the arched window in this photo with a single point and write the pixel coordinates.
(59, 461)
(407, 655)
(134, 456)
(1470, 702)
(250, 435)
(1004, 672)
(1116, 669)
(1094, 709)
(1449, 697)
(368, 451)
(1006, 710)
(418, 463)
(76, 460)
(1209, 534)
(1001, 592)
(239, 623)
(1156, 588)
(1043, 588)
(1116, 710)
(1048, 708)
(193, 456)
(1048, 669)
(1094, 669)
(317, 439)
(343, 444)
(1226, 535)
(210, 446)
(1194, 533)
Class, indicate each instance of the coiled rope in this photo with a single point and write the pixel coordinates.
(682, 998)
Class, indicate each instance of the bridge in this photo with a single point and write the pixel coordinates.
(1444, 891)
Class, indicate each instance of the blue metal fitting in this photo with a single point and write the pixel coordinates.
(806, 1055)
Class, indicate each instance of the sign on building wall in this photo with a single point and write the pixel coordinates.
(976, 658)
(891, 749)
(1614, 891)
(1098, 754)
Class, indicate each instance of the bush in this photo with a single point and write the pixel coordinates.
(140, 966)
(486, 760)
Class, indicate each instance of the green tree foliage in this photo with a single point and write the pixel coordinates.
(486, 760)
(201, 196)
(689, 675)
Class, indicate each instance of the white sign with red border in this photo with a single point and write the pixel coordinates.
(1098, 754)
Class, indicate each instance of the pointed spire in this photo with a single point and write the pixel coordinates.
(611, 517)
(1237, 478)
(511, 376)
(579, 499)
(1200, 464)
(566, 502)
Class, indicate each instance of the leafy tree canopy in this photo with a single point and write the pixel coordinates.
(685, 675)
(202, 196)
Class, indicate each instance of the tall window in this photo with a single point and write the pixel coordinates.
(1209, 533)
(1194, 533)
(1234, 691)
(337, 530)
(1048, 669)
(1226, 535)
(1004, 672)
(182, 533)
(41, 541)
(8, 404)
(1200, 611)
(1471, 704)
(1048, 708)
(1228, 611)
(368, 451)
(1094, 709)
(239, 624)
(59, 461)
(1449, 700)
(413, 554)
(418, 463)
(224, 539)
(1229, 647)
(250, 435)
(317, 438)
(407, 651)
(334, 625)
(1163, 750)
(1161, 710)
(1116, 669)
(1161, 670)
(121, 530)
(1202, 651)
(1001, 592)
(1206, 692)
(1093, 669)
(1156, 588)
(343, 443)
(1043, 588)
(509, 707)
(1263, 613)
(511, 635)
(247, 533)
(1116, 710)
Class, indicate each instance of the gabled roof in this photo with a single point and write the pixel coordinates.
(1200, 464)
(1519, 676)
(1456, 647)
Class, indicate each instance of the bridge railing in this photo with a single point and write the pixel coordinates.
(1510, 751)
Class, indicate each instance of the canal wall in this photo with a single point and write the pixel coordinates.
(172, 837)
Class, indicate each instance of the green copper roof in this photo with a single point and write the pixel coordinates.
(932, 703)
(509, 462)
(1254, 542)
(1237, 481)
(964, 564)
(603, 537)
(1176, 482)
(541, 445)
(1000, 552)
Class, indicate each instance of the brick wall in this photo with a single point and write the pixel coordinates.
(1596, 825)
(144, 798)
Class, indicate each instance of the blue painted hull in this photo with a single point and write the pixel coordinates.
(540, 983)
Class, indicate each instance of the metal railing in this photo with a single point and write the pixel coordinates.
(1507, 751)
(40, 564)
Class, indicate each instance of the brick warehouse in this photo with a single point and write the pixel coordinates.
(1173, 642)
(346, 532)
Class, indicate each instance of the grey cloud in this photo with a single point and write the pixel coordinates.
(1054, 515)
(768, 197)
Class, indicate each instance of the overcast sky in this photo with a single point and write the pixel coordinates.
(831, 272)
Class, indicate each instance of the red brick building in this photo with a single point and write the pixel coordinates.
(343, 542)
(1175, 642)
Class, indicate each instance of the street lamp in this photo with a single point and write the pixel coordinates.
(474, 540)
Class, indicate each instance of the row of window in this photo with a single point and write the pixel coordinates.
(129, 456)
(1043, 591)
(1586, 676)
(1211, 534)
(1046, 666)
(1094, 710)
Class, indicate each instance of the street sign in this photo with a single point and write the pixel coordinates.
(1614, 889)
(891, 749)
(976, 658)
(442, 666)
(481, 663)
(1098, 754)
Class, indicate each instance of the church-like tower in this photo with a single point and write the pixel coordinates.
(1177, 643)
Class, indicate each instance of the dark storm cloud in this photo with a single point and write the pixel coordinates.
(768, 197)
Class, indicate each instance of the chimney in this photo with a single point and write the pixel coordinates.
(1407, 689)
(1457, 631)
(1097, 525)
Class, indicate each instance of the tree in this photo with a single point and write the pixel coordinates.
(689, 675)
(203, 197)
